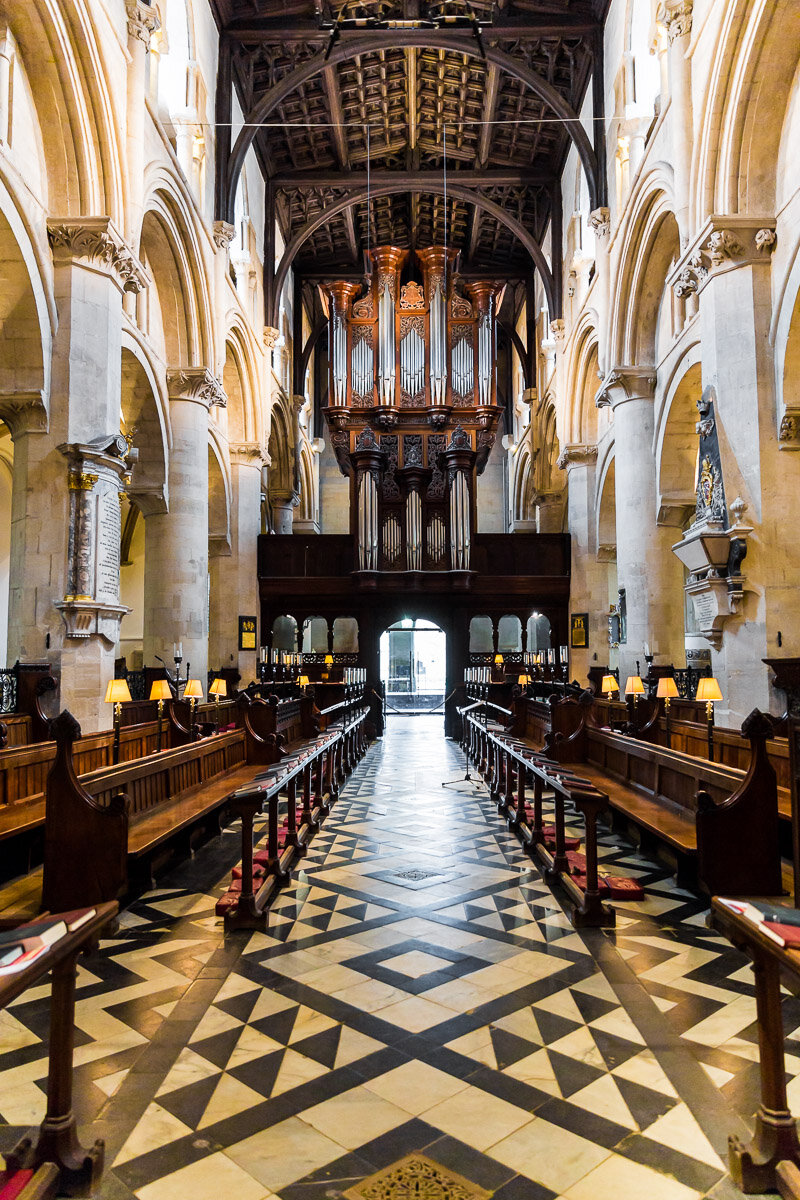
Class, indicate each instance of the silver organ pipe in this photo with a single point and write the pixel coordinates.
(339, 359)
(438, 334)
(436, 538)
(386, 347)
(462, 367)
(392, 539)
(485, 358)
(414, 531)
(367, 522)
(361, 367)
(412, 363)
(459, 523)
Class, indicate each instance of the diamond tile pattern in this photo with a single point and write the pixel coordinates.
(419, 992)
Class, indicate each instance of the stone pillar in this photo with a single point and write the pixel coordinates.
(735, 311)
(223, 233)
(676, 15)
(589, 577)
(176, 542)
(235, 577)
(69, 516)
(39, 529)
(646, 567)
(142, 23)
(600, 222)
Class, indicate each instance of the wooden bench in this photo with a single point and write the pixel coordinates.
(506, 762)
(23, 775)
(314, 768)
(114, 824)
(771, 1162)
(718, 824)
(57, 1163)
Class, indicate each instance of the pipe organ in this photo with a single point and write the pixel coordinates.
(412, 407)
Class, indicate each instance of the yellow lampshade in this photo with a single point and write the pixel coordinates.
(609, 684)
(160, 690)
(708, 689)
(634, 686)
(194, 690)
(498, 660)
(117, 691)
(667, 688)
(523, 680)
(303, 681)
(218, 688)
(328, 660)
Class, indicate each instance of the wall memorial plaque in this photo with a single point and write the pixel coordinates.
(247, 633)
(579, 631)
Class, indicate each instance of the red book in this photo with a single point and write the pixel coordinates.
(788, 935)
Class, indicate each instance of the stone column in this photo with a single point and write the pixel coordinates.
(176, 542)
(234, 578)
(73, 475)
(589, 577)
(600, 222)
(142, 23)
(646, 567)
(39, 529)
(733, 278)
(676, 15)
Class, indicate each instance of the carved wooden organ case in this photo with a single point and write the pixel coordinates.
(412, 408)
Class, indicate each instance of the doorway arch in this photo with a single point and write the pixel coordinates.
(413, 667)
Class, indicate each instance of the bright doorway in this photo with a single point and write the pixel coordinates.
(413, 667)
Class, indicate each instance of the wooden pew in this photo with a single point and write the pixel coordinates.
(60, 1165)
(702, 813)
(312, 767)
(772, 1160)
(506, 761)
(117, 822)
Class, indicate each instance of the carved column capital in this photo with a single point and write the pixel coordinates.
(23, 412)
(576, 454)
(223, 234)
(558, 329)
(626, 383)
(725, 243)
(142, 21)
(247, 454)
(600, 221)
(197, 384)
(96, 241)
(676, 15)
(271, 336)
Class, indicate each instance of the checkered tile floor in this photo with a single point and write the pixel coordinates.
(419, 989)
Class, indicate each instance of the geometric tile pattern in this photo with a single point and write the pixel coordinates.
(419, 992)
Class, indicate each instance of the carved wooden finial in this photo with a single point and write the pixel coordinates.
(64, 728)
(758, 726)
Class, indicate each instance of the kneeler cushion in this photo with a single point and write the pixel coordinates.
(12, 1187)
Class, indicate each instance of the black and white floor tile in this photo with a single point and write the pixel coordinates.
(420, 998)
